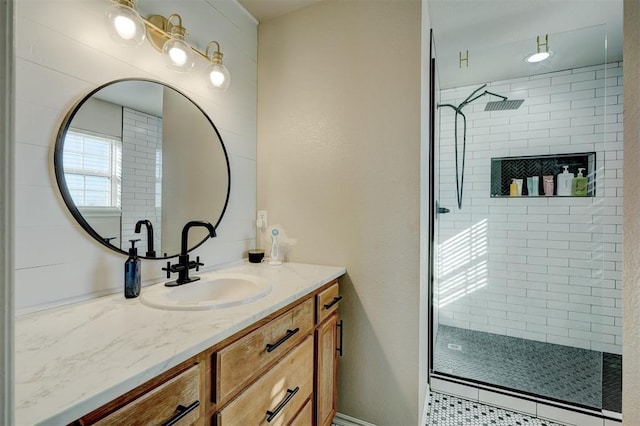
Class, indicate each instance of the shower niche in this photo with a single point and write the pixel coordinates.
(504, 169)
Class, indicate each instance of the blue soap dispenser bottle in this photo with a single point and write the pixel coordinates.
(132, 272)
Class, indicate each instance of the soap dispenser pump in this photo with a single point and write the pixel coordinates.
(579, 184)
(564, 182)
(132, 272)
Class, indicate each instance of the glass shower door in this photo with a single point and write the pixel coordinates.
(527, 287)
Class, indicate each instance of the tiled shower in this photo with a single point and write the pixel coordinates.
(533, 281)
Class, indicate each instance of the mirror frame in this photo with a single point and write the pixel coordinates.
(64, 189)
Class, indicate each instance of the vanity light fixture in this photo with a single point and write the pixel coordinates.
(540, 54)
(218, 74)
(125, 24)
(167, 35)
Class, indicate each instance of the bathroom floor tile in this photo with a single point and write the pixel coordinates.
(445, 410)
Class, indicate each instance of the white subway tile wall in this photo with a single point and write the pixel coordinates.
(548, 269)
(141, 147)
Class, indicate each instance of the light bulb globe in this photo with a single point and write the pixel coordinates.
(219, 77)
(178, 55)
(125, 25)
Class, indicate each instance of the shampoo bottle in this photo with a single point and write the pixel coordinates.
(579, 184)
(564, 182)
(513, 188)
(132, 272)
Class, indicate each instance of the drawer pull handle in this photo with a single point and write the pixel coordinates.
(181, 412)
(339, 348)
(271, 347)
(272, 414)
(333, 302)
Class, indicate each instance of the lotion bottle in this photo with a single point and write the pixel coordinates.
(564, 182)
(132, 272)
(579, 184)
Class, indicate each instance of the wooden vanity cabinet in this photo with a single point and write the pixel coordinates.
(326, 336)
(282, 371)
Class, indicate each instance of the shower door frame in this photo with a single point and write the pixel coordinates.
(457, 380)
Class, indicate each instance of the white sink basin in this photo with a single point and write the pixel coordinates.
(212, 291)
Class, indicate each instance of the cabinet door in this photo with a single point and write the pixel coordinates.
(327, 370)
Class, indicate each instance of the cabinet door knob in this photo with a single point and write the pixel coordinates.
(290, 392)
(181, 412)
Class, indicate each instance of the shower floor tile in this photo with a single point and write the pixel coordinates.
(545, 369)
(445, 410)
(612, 382)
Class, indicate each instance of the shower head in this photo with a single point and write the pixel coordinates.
(503, 105)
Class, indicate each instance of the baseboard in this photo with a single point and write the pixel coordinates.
(344, 420)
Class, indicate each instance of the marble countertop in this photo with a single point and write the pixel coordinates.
(73, 359)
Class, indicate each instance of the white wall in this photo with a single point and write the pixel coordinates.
(339, 170)
(63, 51)
(547, 269)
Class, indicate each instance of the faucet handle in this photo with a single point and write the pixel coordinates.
(198, 264)
(168, 269)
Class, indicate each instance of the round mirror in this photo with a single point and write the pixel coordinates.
(137, 159)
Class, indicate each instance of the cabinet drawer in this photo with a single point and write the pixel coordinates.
(161, 404)
(276, 397)
(327, 302)
(305, 416)
(242, 361)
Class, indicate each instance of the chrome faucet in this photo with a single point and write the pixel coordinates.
(184, 265)
(150, 251)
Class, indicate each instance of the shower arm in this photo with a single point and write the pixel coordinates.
(472, 97)
(486, 92)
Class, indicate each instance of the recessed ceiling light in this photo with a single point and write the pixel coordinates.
(538, 57)
(540, 54)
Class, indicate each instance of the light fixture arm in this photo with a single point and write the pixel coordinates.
(176, 30)
(215, 57)
(545, 44)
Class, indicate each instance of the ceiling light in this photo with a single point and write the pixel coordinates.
(125, 24)
(540, 54)
(218, 74)
(538, 57)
